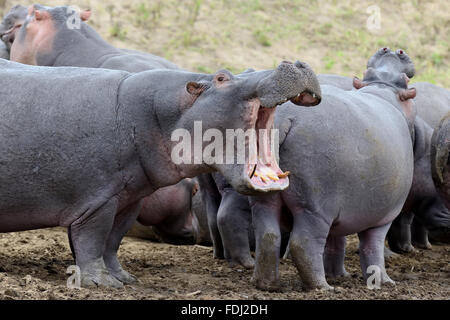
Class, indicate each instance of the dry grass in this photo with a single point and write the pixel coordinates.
(206, 35)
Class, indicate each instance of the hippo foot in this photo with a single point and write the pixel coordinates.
(100, 278)
(266, 285)
(322, 286)
(386, 281)
(124, 277)
(338, 274)
(423, 245)
(247, 262)
(389, 254)
(402, 248)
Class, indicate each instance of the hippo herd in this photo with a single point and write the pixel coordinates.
(87, 146)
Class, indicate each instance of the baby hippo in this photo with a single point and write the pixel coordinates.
(166, 214)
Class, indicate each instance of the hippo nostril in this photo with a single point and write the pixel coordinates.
(300, 65)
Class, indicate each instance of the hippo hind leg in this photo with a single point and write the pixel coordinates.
(306, 246)
(371, 252)
(419, 235)
(399, 235)
(88, 237)
(233, 220)
(333, 257)
(122, 223)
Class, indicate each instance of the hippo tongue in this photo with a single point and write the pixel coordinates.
(263, 169)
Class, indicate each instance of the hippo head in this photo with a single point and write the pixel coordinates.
(440, 169)
(11, 23)
(393, 70)
(43, 31)
(392, 62)
(242, 108)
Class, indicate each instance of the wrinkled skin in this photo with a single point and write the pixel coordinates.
(440, 171)
(11, 23)
(98, 141)
(166, 214)
(45, 39)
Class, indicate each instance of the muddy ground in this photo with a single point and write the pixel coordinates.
(33, 265)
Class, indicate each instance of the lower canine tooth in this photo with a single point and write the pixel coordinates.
(284, 174)
(273, 177)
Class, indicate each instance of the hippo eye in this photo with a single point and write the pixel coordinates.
(221, 78)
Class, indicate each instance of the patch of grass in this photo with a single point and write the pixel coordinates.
(262, 38)
(117, 31)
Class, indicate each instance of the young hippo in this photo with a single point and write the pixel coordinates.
(47, 38)
(94, 142)
(167, 215)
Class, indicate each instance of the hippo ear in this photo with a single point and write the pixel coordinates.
(41, 15)
(85, 15)
(407, 94)
(195, 88)
(358, 84)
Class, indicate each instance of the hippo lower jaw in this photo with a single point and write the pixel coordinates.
(262, 171)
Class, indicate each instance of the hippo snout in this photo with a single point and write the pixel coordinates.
(296, 82)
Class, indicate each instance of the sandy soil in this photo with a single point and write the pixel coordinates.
(33, 265)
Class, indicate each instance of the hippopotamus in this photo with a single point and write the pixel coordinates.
(166, 215)
(94, 142)
(440, 147)
(46, 21)
(11, 23)
(350, 172)
(45, 38)
(424, 209)
(345, 83)
(4, 53)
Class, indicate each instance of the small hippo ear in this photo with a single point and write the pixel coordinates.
(85, 15)
(195, 88)
(358, 84)
(41, 15)
(407, 94)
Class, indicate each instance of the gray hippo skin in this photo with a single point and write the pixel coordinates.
(45, 39)
(166, 215)
(351, 164)
(85, 54)
(93, 142)
(440, 170)
(424, 209)
(4, 53)
(11, 23)
(345, 83)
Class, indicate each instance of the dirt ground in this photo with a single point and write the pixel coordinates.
(33, 265)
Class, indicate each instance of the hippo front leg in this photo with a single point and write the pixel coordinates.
(233, 220)
(266, 211)
(88, 237)
(399, 235)
(334, 257)
(306, 246)
(371, 251)
(419, 235)
(123, 221)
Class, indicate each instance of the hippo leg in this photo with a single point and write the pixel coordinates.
(334, 257)
(211, 197)
(89, 235)
(419, 235)
(266, 212)
(233, 220)
(399, 235)
(306, 246)
(371, 251)
(122, 223)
